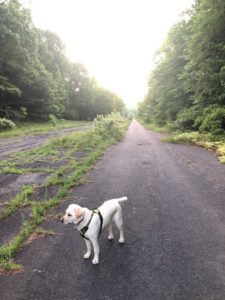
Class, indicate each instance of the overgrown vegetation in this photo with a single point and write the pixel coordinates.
(6, 124)
(91, 144)
(32, 128)
(21, 199)
(187, 86)
(111, 126)
(207, 141)
(37, 81)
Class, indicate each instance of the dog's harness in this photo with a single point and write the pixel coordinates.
(85, 228)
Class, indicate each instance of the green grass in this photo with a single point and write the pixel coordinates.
(207, 141)
(21, 199)
(11, 170)
(154, 127)
(28, 128)
(93, 146)
(41, 209)
(8, 251)
(9, 265)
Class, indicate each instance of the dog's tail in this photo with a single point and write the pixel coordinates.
(123, 199)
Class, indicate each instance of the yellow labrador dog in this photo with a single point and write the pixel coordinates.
(90, 223)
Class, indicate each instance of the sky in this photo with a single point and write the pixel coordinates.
(114, 39)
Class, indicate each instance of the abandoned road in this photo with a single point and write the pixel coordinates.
(16, 144)
(174, 223)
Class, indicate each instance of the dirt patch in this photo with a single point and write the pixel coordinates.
(10, 272)
(66, 174)
(11, 226)
(8, 189)
(2, 206)
(44, 164)
(15, 144)
(80, 154)
(37, 235)
(32, 178)
(11, 184)
(44, 193)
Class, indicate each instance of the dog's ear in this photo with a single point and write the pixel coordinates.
(78, 212)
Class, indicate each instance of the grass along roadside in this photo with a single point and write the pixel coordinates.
(154, 127)
(207, 141)
(28, 128)
(94, 146)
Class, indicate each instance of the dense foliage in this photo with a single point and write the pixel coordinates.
(6, 124)
(111, 126)
(187, 85)
(37, 79)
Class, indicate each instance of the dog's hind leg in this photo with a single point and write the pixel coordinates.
(110, 237)
(117, 218)
(88, 253)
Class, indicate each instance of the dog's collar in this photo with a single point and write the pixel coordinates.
(80, 221)
(85, 228)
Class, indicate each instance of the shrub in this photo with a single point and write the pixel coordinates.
(186, 137)
(52, 119)
(112, 125)
(6, 124)
(214, 120)
(186, 118)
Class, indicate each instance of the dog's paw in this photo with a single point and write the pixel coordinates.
(121, 241)
(87, 255)
(110, 237)
(95, 261)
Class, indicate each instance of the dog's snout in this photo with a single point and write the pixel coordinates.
(62, 219)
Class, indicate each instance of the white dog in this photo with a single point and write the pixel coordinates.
(90, 223)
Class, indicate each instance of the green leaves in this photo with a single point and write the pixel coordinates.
(111, 126)
(36, 75)
(189, 72)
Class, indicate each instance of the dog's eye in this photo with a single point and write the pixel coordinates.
(69, 215)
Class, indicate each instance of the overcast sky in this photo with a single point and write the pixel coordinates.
(114, 39)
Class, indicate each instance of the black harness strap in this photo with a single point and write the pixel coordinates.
(85, 228)
(97, 211)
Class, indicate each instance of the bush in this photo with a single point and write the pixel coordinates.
(186, 137)
(186, 119)
(52, 119)
(112, 125)
(214, 120)
(6, 124)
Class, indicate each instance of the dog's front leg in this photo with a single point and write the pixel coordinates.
(95, 244)
(88, 253)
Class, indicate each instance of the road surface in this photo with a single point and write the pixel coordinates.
(174, 224)
(21, 143)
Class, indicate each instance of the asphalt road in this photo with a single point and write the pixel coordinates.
(174, 230)
(21, 143)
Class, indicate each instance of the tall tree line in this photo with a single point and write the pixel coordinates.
(37, 79)
(186, 88)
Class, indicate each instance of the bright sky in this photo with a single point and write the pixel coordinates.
(114, 39)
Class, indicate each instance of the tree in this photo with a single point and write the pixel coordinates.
(36, 78)
(166, 96)
(186, 87)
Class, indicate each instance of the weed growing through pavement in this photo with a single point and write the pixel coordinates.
(37, 128)
(90, 143)
(20, 200)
